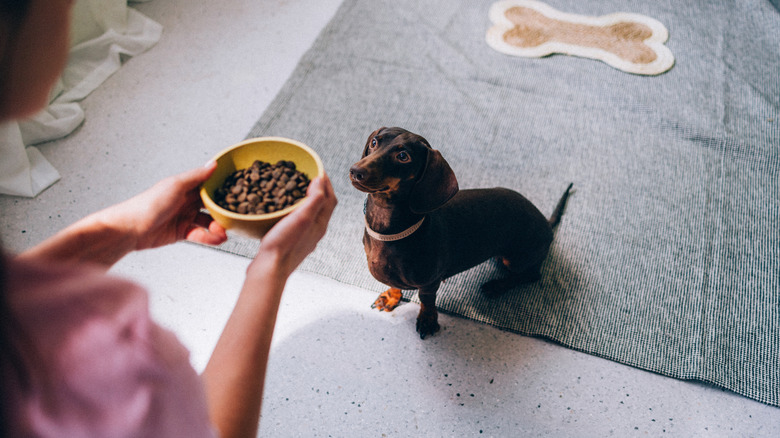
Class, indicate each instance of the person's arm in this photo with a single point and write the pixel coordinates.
(166, 213)
(235, 374)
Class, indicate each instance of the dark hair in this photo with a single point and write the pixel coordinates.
(14, 8)
(12, 14)
(10, 331)
(11, 361)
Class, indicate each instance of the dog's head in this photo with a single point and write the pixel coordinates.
(403, 165)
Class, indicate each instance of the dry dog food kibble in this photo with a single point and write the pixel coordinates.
(262, 188)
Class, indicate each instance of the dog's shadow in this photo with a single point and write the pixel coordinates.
(371, 366)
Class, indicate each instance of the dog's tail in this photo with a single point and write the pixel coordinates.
(555, 219)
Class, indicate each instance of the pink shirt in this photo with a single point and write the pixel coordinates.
(102, 367)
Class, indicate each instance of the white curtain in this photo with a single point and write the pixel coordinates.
(103, 32)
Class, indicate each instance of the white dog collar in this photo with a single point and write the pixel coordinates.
(393, 237)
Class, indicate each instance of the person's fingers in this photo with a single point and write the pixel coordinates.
(297, 225)
(328, 186)
(213, 234)
(215, 228)
(329, 193)
(191, 179)
(312, 203)
(324, 190)
(202, 220)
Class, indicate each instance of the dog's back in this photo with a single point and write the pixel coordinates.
(486, 223)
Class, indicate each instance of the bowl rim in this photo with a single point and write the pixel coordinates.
(209, 203)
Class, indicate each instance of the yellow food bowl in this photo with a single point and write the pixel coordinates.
(242, 155)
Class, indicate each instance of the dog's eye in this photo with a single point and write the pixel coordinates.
(373, 142)
(403, 157)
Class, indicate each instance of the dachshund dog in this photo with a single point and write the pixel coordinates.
(420, 229)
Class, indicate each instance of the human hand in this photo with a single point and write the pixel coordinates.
(167, 212)
(235, 375)
(290, 240)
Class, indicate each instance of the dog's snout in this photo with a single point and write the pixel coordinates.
(357, 173)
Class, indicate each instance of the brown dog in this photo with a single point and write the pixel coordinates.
(420, 229)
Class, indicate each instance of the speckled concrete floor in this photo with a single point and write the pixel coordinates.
(337, 368)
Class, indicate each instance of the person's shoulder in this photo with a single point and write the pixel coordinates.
(62, 297)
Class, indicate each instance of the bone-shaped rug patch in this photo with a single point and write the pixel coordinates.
(630, 42)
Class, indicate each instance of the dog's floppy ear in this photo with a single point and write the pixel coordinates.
(436, 185)
(368, 141)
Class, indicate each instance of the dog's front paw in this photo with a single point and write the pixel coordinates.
(388, 300)
(427, 322)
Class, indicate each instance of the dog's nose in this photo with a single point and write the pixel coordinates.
(357, 173)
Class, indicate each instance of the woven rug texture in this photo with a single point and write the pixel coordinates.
(668, 255)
